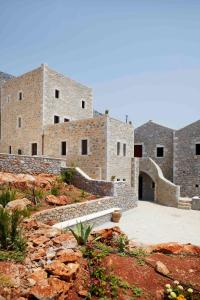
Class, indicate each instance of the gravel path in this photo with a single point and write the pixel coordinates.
(150, 223)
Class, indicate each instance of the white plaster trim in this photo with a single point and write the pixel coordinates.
(85, 218)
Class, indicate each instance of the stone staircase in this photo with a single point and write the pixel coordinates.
(184, 203)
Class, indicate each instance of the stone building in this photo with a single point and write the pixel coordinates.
(44, 113)
(176, 152)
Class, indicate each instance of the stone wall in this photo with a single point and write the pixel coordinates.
(120, 195)
(151, 135)
(119, 165)
(69, 103)
(186, 163)
(29, 164)
(29, 109)
(94, 130)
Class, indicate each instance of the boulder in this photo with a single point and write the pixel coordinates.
(51, 199)
(65, 272)
(19, 204)
(68, 255)
(175, 248)
(40, 240)
(161, 268)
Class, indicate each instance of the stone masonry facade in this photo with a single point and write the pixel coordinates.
(44, 113)
(180, 162)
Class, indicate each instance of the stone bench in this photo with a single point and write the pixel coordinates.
(196, 203)
(95, 217)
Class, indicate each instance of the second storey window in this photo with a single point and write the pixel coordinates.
(84, 147)
(160, 151)
(124, 149)
(197, 149)
(20, 96)
(138, 151)
(118, 148)
(19, 122)
(63, 148)
(57, 94)
(56, 119)
(83, 104)
(19, 151)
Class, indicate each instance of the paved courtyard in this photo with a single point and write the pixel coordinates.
(151, 223)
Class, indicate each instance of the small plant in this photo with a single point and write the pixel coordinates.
(10, 230)
(68, 175)
(83, 194)
(55, 190)
(7, 196)
(121, 243)
(36, 196)
(113, 178)
(178, 292)
(81, 233)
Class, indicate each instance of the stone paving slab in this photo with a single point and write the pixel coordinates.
(150, 223)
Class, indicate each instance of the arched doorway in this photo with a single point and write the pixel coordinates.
(146, 187)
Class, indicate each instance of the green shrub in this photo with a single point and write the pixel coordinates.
(68, 175)
(81, 233)
(55, 191)
(7, 196)
(10, 230)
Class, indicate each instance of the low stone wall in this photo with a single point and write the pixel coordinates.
(118, 194)
(30, 164)
(97, 187)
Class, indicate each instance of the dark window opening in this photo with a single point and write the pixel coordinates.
(118, 148)
(153, 185)
(124, 179)
(196, 185)
(19, 122)
(138, 152)
(56, 119)
(34, 149)
(118, 179)
(66, 120)
(83, 104)
(160, 151)
(57, 94)
(63, 148)
(124, 149)
(10, 150)
(19, 152)
(84, 147)
(197, 149)
(20, 95)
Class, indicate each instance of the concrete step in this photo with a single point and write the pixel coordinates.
(183, 205)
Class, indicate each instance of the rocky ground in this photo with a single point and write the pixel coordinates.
(109, 267)
(41, 191)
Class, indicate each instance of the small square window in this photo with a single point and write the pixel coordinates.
(118, 148)
(197, 149)
(56, 119)
(124, 179)
(84, 147)
(196, 185)
(20, 96)
(124, 149)
(160, 151)
(19, 152)
(118, 179)
(66, 120)
(63, 148)
(83, 104)
(57, 94)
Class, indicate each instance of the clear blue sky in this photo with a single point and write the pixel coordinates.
(141, 57)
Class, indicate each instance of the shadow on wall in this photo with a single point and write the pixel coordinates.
(146, 187)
